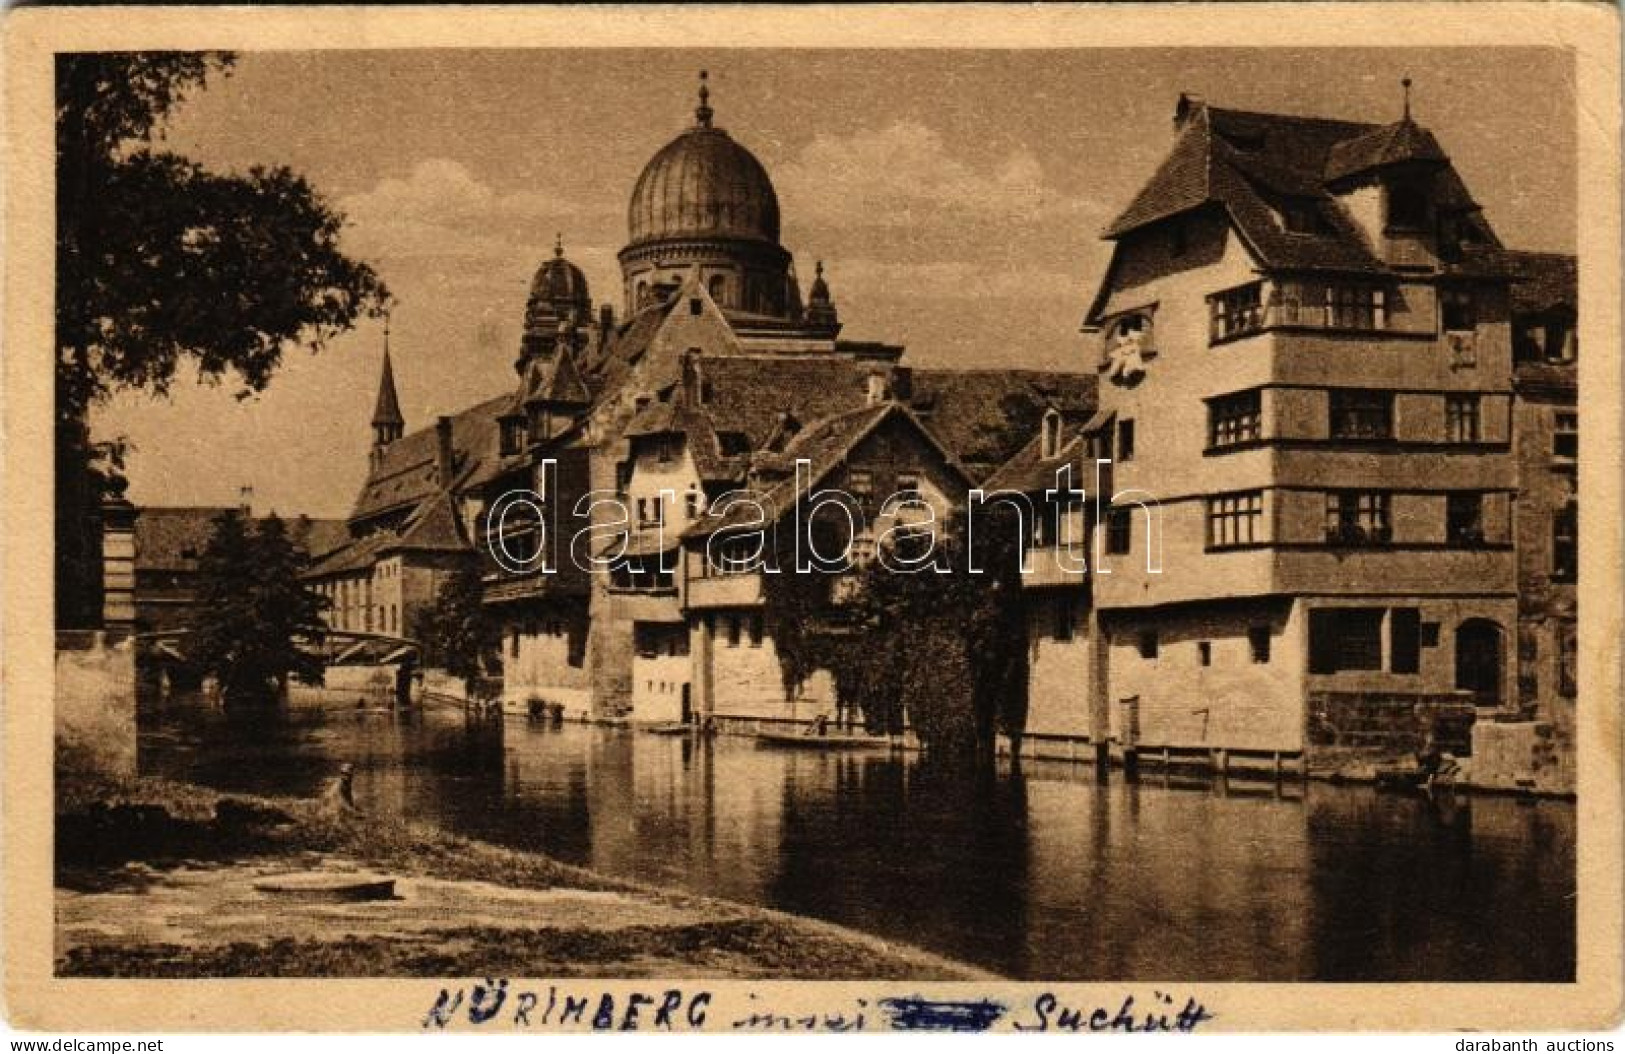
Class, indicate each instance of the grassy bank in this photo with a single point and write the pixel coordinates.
(140, 862)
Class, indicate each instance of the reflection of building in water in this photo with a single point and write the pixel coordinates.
(1466, 861)
(1177, 862)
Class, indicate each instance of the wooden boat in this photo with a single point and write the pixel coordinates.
(669, 728)
(803, 741)
(328, 885)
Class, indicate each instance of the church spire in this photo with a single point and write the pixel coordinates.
(387, 422)
(703, 112)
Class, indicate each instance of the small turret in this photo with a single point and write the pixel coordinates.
(821, 314)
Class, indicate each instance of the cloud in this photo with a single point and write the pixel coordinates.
(442, 222)
(904, 175)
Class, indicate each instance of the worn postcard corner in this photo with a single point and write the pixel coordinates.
(586, 519)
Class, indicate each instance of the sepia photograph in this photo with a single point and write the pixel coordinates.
(955, 520)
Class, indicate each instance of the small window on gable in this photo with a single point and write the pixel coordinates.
(1148, 644)
(695, 305)
(1050, 431)
(1204, 652)
(1301, 216)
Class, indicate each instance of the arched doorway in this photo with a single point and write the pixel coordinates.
(1478, 660)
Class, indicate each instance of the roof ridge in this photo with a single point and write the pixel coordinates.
(1299, 118)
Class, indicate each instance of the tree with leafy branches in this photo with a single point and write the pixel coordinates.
(257, 624)
(457, 633)
(162, 262)
(941, 650)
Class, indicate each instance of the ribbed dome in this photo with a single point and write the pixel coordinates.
(703, 184)
(559, 284)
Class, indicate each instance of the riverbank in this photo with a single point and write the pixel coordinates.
(157, 879)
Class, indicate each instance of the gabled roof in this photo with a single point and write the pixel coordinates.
(554, 378)
(1029, 472)
(359, 554)
(406, 475)
(1244, 162)
(432, 527)
(1402, 141)
(825, 444)
(172, 537)
(1542, 282)
(985, 416)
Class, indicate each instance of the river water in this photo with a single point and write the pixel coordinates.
(1041, 874)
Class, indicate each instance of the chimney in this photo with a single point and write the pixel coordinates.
(245, 501)
(1187, 109)
(606, 319)
(902, 383)
(443, 453)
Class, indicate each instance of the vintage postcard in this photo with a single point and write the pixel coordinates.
(789, 520)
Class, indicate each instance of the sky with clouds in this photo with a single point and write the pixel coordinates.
(955, 197)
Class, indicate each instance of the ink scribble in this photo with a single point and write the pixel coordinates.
(915, 1013)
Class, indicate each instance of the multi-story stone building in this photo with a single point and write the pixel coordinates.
(1546, 444)
(1305, 339)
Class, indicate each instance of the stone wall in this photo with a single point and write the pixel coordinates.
(95, 702)
(1389, 723)
(1522, 755)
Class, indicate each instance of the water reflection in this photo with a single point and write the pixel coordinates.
(1039, 874)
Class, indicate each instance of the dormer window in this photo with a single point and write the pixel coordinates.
(1407, 205)
(1301, 216)
(513, 435)
(1049, 443)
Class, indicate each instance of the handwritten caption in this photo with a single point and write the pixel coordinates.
(496, 1004)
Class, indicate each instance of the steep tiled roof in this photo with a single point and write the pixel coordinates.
(1542, 281)
(407, 474)
(172, 537)
(984, 416)
(1390, 144)
(432, 526)
(616, 359)
(825, 445)
(1240, 161)
(749, 393)
(1029, 472)
(355, 556)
